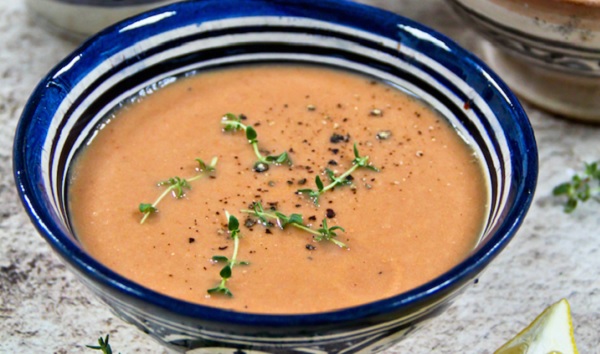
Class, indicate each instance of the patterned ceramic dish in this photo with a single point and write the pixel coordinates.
(82, 18)
(546, 50)
(193, 36)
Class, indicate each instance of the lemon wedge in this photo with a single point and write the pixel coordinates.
(550, 333)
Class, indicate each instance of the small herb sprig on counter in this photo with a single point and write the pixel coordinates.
(176, 185)
(234, 123)
(581, 188)
(343, 179)
(102, 345)
(324, 233)
(233, 226)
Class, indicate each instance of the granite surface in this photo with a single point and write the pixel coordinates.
(44, 309)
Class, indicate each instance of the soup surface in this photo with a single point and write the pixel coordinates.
(404, 225)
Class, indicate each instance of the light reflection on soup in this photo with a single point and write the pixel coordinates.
(410, 222)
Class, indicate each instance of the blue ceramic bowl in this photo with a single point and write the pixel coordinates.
(141, 53)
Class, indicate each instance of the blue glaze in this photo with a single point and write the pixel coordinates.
(473, 97)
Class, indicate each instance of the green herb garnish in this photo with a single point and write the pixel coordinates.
(343, 179)
(234, 123)
(581, 188)
(102, 345)
(233, 226)
(324, 233)
(176, 185)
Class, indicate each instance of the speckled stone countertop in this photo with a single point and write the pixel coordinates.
(44, 309)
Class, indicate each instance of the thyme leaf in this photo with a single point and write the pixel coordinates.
(103, 345)
(233, 123)
(325, 233)
(176, 186)
(226, 272)
(342, 180)
(581, 188)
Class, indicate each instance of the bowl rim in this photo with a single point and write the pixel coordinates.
(459, 275)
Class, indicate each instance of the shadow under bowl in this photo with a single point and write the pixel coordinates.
(193, 36)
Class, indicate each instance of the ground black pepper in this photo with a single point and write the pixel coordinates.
(330, 213)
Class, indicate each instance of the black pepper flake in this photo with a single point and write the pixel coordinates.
(350, 178)
(289, 182)
(273, 205)
(332, 163)
(383, 135)
(250, 222)
(312, 218)
(191, 240)
(298, 205)
(222, 248)
(376, 113)
(268, 231)
(302, 181)
(310, 247)
(243, 116)
(337, 138)
(334, 151)
(330, 213)
(467, 105)
(260, 167)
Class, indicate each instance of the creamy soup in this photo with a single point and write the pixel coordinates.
(403, 225)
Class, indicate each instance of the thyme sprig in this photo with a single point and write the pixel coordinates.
(233, 226)
(342, 180)
(102, 345)
(324, 233)
(176, 186)
(234, 123)
(581, 188)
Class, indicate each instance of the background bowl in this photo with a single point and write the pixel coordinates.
(140, 54)
(81, 18)
(547, 51)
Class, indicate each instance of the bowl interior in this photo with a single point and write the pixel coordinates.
(142, 54)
